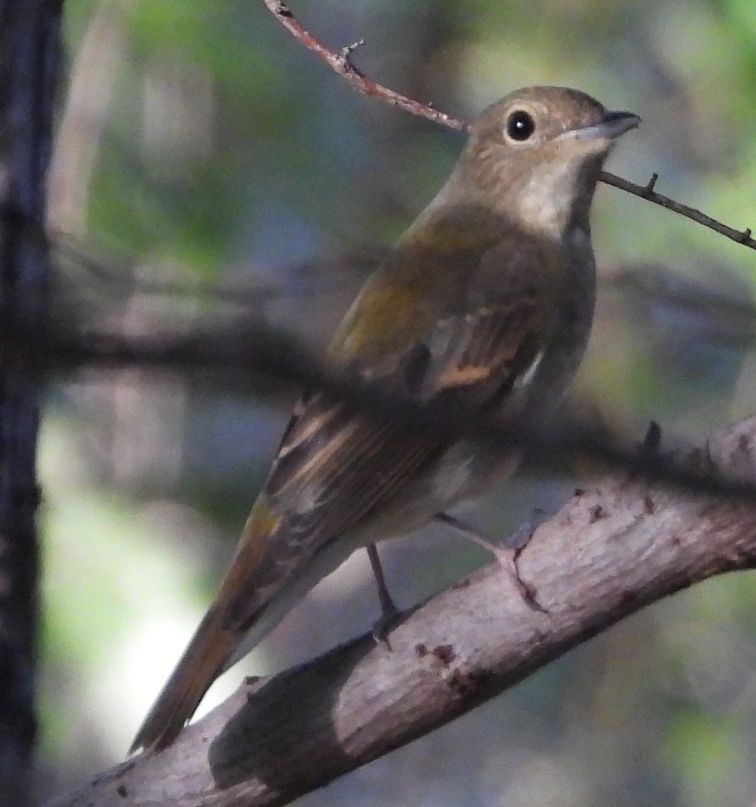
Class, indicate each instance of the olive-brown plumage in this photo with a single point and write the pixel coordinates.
(487, 300)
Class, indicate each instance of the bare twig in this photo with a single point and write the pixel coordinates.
(647, 192)
(120, 275)
(278, 738)
(340, 61)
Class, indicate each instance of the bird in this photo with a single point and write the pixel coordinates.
(484, 303)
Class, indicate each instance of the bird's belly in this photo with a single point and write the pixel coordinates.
(465, 471)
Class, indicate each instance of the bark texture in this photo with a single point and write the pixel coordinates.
(610, 551)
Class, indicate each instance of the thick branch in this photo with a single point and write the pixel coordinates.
(606, 554)
(341, 63)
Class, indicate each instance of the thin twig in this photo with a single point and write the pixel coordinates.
(341, 62)
(647, 192)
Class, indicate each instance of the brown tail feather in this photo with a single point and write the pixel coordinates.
(202, 662)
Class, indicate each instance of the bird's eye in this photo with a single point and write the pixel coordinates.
(520, 125)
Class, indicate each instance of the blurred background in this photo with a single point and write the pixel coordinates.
(207, 167)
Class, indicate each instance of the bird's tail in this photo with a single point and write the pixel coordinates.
(204, 659)
(218, 642)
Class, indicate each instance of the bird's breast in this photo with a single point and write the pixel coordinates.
(573, 317)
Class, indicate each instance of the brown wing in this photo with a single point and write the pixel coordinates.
(338, 466)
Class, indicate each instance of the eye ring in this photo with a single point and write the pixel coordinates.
(520, 125)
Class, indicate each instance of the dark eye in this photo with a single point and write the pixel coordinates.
(520, 125)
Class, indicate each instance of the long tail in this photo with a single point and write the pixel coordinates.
(217, 643)
(202, 662)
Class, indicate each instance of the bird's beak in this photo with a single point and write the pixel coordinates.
(613, 125)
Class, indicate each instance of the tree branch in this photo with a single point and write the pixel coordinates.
(272, 360)
(341, 63)
(606, 554)
(647, 192)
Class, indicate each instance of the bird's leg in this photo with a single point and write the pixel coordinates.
(507, 556)
(652, 440)
(389, 610)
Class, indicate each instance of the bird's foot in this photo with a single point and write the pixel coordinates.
(382, 626)
(507, 556)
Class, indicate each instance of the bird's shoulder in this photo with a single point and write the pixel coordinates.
(447, 273)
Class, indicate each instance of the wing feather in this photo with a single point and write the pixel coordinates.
(338, 466)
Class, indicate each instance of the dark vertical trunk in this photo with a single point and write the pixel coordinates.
(29, 58)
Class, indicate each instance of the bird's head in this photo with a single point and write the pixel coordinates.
(537, 154)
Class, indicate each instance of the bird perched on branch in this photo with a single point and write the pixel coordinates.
(485, 303)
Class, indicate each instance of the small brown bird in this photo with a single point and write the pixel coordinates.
(486, 300)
